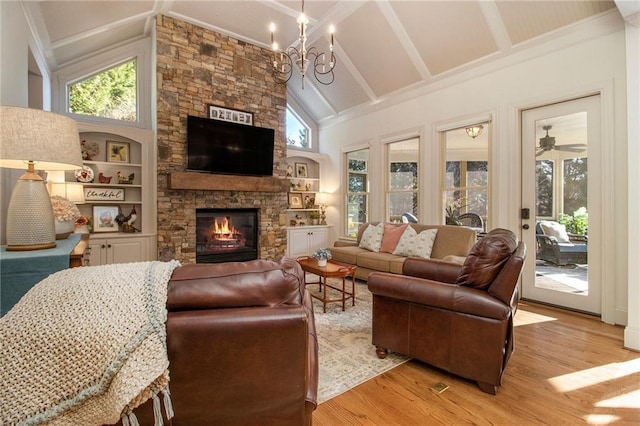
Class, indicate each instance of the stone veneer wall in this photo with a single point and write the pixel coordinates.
(196, 67)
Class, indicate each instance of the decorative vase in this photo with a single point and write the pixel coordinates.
(322, 262)
(81, 229)
(63, 229)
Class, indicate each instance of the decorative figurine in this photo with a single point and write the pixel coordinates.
(104, 179)
(122, 179)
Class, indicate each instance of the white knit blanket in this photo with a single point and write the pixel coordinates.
(86, 345)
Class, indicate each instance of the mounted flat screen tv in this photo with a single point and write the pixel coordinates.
(216, 146)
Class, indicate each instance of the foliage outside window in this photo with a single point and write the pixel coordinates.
(467, 186)
(297, 131)
(544, 188)
(357, 190)
(403, 190)
(575, 184)
(402, 178)
(570, 195)
(109, 94)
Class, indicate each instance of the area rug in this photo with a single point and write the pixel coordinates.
(346, 356)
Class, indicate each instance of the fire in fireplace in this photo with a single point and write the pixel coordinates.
(226, 235)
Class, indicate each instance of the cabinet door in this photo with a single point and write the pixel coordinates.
(97, 252)
(318, 238)
(124, 250)
(297, 242)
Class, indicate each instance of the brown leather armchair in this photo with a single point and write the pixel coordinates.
(456, 317)
(242, 345)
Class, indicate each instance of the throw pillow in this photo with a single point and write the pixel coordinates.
(487, 257)
(555, 229)
(391, 237)
(424, 243)
(372, 237)
(406, 242)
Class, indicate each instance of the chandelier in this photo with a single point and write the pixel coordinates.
(474, 131)
(283, 60)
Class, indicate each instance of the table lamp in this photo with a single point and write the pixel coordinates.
(48, 141)
(73, 192)
(323, 199)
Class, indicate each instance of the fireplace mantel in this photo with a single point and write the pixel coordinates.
(211, 182)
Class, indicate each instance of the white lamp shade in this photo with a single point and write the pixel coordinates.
(50, 140)
(323, 198)
(73, 192)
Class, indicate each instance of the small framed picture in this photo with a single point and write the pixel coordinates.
(104, 218)
(117, 152)
(295, 200)
(301, 170)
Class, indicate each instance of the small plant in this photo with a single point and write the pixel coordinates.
(578, 223)
(314, 215)
(322, 253)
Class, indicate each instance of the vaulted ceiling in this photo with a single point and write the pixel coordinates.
(384, 48)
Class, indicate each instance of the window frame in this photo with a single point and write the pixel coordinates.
(309, 134)
(70, 74)
(69, 84)
(366, 193)
(388, 191)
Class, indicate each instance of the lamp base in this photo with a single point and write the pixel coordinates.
(30, 223)
(30, 247)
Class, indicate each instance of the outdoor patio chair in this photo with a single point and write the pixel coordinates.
(559, 247)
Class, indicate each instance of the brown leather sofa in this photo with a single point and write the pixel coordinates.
(456, 317)
(242, 345)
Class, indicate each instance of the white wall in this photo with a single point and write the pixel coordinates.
(632, 331)
(15, 42)
(593, 65)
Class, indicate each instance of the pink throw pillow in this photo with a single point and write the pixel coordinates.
(391, 236)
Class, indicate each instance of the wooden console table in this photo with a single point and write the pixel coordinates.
(21, 270)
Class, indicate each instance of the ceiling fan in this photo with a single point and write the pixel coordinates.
(547, 143)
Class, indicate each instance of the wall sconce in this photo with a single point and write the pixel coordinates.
(474, 131)
(33, 137)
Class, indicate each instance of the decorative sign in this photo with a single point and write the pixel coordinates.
(103, 194)
(233, 115)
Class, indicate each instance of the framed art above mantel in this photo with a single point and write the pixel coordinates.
(227, 114)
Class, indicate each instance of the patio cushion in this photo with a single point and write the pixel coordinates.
(555, 229)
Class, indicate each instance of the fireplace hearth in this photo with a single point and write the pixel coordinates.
(226, 235)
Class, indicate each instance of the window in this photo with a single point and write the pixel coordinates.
(357, 190)
(544, 188)
(575, 184)
(467, 184)
(109, 94)
(466, 176)
(297, 131)
(402, 190)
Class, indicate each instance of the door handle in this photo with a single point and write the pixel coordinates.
(525, 226)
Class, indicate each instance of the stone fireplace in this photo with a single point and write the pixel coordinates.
(197, 67)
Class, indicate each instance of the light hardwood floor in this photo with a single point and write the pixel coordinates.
(567, 369)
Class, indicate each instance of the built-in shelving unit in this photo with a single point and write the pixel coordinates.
(121, 161)
(304, 232)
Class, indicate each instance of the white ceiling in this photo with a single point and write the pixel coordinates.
(384, 48)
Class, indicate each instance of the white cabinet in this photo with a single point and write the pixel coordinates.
(116, 250)
(304, 240)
